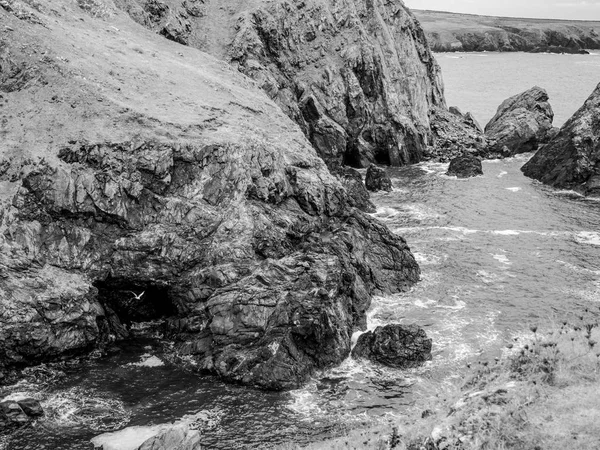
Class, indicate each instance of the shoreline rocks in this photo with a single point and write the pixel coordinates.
(377, 179)
(465, 166)
(398, 346)
(571, 159)
(522, 123)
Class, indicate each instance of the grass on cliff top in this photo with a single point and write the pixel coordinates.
(545, 395)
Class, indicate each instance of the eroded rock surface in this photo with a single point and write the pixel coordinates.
(358, 77)
(571, 160)
(158, 169)
(521, 124)
(399, 346)
(465, 166)
(377, 179)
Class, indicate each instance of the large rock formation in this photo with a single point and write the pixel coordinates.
(521, 124)
(129, 165)
(358, 77)
(453, 32)
(571, 159)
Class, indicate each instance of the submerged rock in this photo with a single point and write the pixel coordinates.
(377, 179)
(465, 166)
(571, 160)
(357, 77)
(399, 346)
(16, 413)
(120, 202)
(521, 124)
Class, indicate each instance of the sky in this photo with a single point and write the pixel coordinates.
(548, 9)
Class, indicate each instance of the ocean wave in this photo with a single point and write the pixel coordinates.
(501, 174)
(148, 360)
(502, 259)
(78, 407)
(588, 237)
(514, 189)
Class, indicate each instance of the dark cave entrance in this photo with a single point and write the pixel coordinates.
(127, 302)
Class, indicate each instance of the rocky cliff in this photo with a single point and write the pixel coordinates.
(144, 180)
(571, 159)
(358, 77)
(451, 32)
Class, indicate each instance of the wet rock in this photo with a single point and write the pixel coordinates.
(455, 134)
(377, 179)
(571, 160)
(521, 124)
(358, 78)
(178, 437)
(465, 166)
(352, 181)
(11, 414)
(212, 216)
(31, 407)
(399, 346)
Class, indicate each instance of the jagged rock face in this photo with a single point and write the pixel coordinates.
(456, 134)
(352, 181)
(399, 346)
(521, 123)
(161, 170)
(465, 166)
(571, 159)
(358, 77)
(377, 179)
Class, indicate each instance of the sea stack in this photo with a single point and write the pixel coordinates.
(571, 160)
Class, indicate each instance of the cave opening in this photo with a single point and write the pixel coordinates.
(134, 301)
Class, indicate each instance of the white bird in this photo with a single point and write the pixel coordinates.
(137, 296)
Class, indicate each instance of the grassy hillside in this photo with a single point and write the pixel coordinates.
(467, 32)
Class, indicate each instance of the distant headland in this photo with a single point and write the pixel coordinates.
(450, 32)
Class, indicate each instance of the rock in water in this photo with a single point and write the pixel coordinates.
(178, 437)
(521, 123)
(31, 407)
(171, 189)
(571, 160)
(455, 134)
(399, 346)
(465, 166)
(377, 179)
(358, 77)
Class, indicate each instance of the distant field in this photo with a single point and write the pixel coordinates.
(466, 32)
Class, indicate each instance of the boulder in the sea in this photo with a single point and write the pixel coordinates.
(177, 437)
(399, 346)
(377, 179)
(352, 180)
(571, 160)
(465, 166)
(31, 407)
(15, 413)
(521, 123)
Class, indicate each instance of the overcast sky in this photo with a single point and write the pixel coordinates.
(553, 9)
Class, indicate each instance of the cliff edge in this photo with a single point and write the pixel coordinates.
(144, 180)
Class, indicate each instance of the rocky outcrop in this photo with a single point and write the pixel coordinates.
(377, 179)
(158, 183)
(178, 437)
(358, 77)
(17, 413)
(571, 160)
(399, 346)
(465, 166)
(455, 134)
(352, 181)
(521, 124)
(453, 32)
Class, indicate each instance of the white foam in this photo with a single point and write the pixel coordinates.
(427, 260)
(18, 396)
(514, 189)
(424, 303)
(588, 237)
(148, 361)
(489, 278)
(501, 174)
(502, 258)
(129, 438)
(507, 232)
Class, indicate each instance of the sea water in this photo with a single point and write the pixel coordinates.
(479, 82)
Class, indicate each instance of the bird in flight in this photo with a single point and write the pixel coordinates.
(137, 296)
